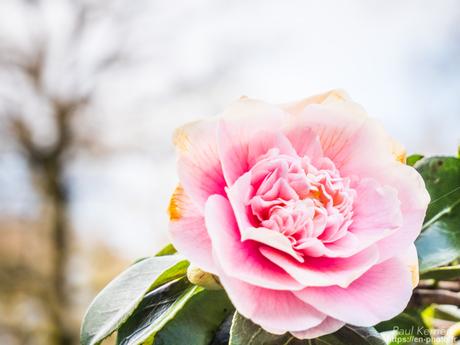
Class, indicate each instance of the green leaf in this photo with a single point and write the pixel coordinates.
(167, 250)
(116, 302)
(439, 243)
(222, 335)
(442, 273)
(198, 320)
(412, 159)
(440, 312)
(245, 332)
(402, 321)
(156, 309)
(409, 327)
(351, 335)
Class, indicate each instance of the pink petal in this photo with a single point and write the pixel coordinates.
(312, 247)
(328, 326)
(241, 122)
(239, 195)
(351, 140)
(414, 200)
(376, 215)
(345, 121)
(305, 142)
(241, 259)
(199, 167)
(188, 232)
(262, 141)
(346, 246)
(271, 238)
(380, 294)
(275, 311)
(323, 271)
(376, 210)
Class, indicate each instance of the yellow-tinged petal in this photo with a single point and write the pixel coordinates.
(180, 139)
(339, 100)
(398, 151)
(174, 208)
(334, 98)
(415, 274)
(411, 260)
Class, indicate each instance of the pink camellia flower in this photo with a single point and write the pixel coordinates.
(305, 211)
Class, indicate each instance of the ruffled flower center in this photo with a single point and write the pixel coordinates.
(305, 202)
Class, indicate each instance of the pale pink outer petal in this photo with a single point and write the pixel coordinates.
(275, 311)
(380, 294)
(328, 326)
(199, 167)
(351, 141)
(188, 231)
(333, 98)
(376, 210)
(241, 259)
(323, 271)
(240, 122)
(414, 200)
(347, 135)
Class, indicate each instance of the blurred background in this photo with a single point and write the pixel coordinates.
(91, 91)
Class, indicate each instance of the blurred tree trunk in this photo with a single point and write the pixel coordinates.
(48, 162)
(58, 298)
(48, 167)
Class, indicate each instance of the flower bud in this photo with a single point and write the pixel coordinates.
(201, 278)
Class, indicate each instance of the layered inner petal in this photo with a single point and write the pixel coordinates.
(324, 271)
(238, 258)
(289, 204)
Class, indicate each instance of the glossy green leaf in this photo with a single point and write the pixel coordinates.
(116, 302)
(198, 320)
(222, 335)
(156, 309)
(442, 273)
(245, 332)
(412, 159)
(351, 335)
(167, 250)
(439, 243)
(440, 312)
(409, 329)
